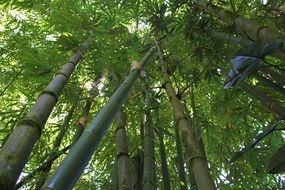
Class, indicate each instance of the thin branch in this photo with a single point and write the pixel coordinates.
(258, 138)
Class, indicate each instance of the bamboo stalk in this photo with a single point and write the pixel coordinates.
(230, 38)
(149, 182)
(189, 139)
(164, 168)
(122, 157)
(180, 161)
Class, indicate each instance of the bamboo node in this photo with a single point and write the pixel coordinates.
(80, 53)
(258, 31)
(50, 92)
(196, 155)
(271, 105)
(62, 73)
(136, 65)
(119, 154)
(145, 181)
(119, 127)
(30, 121)
(181, 117)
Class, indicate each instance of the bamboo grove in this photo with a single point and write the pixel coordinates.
(142, 94)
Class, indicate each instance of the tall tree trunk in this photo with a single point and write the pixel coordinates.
(251, 29)
(164, 168)
(189, 139)
(16, 150)
(122, 158)
(81, 124)
(180, 161)
(46, 166)
(68, 173)
(142, 132)
(149, 182)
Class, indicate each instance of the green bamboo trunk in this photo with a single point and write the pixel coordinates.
(122, 157)
(180, 161)
(251, 29)
(16, 150)
(149, 182)
(164, 168)
(123, 161)
(192, 181)
(197, 160)
(73, 165)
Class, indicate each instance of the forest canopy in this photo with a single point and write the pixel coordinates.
(142, 94)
